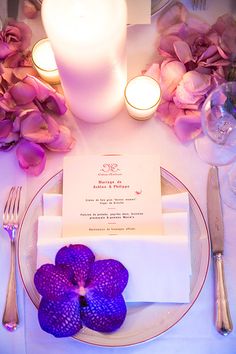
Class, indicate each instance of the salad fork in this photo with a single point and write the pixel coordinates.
(10, 318)
(199, 4)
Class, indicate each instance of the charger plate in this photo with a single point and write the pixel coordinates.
(144, 321)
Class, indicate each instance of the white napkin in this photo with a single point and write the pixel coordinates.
(159, 266)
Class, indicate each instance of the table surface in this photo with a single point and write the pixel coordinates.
(196, 331)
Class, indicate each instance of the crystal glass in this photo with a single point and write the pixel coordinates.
(217, 146)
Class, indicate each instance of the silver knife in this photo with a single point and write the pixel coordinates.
(12, 8)
(216, 227)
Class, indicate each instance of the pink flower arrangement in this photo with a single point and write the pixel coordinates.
(29, 108)
(195, 58)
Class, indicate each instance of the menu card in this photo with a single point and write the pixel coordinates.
(111, 195)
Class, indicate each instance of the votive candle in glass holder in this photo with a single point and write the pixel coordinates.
(44, 61)
(142, 96)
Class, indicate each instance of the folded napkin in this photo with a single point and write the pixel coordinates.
(159, 266)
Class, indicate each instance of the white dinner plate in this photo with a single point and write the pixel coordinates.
(144, 321)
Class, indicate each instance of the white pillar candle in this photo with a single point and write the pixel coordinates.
(142, 96)
(44, 61)
(89, 39)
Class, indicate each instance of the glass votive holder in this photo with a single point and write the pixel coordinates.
(44, 61)
(142, 96)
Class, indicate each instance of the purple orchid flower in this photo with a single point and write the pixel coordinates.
(79, 291)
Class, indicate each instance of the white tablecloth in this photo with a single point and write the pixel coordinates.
(195, 333)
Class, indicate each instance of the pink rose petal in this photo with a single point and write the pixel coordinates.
(167, 112)
(38, 127)
(177, 29)
(5, 128)
(42, 89)
(166, 46)
(21, 72)
(29, 9)
(153, 71)
(22, 93)
(4, 50)
(196, 83)
(195, 23)
(9, 142)
(209, 52)
(187, 127)
(18, 34)
(48, 97)
(31, 157)
(171, 74)
(175, 14)
(64, 141)
(183, 51)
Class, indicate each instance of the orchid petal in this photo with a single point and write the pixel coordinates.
(78, 257)
(187, 127)
(52, 283)
(60, 318)
(108, 277)
(31, 157)
(103, 314)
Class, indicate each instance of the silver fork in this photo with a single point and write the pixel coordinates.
(199, 4)
(10, 318)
